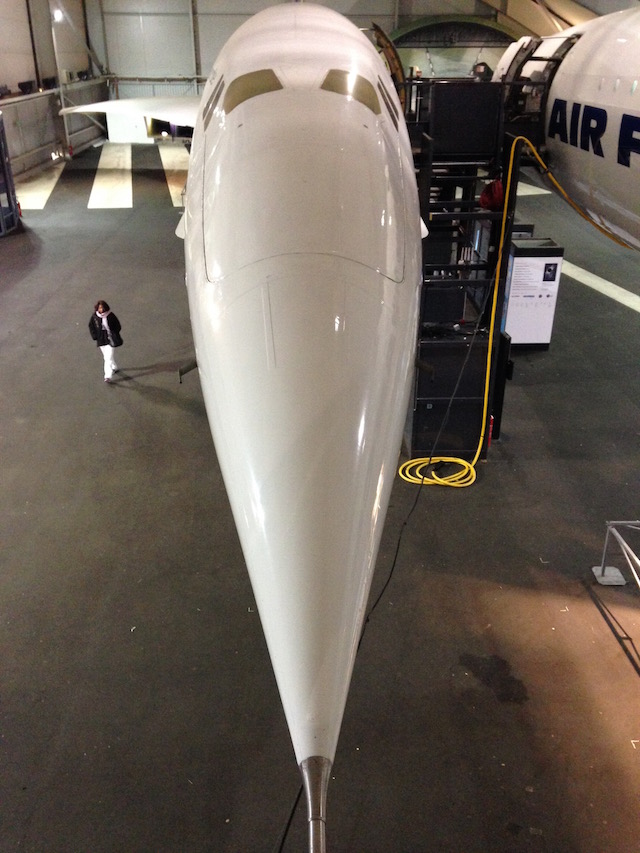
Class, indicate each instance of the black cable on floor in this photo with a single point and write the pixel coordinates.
(283, 835)
(279, 848)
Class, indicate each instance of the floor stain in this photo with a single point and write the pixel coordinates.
(495, 673)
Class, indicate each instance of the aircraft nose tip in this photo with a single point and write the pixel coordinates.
(315, 777)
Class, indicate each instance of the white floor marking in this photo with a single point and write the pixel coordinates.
(613, 291)
(175, 161)
(33, 191)
(113, 184)
(529, 189)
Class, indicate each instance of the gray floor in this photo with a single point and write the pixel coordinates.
(492, 710)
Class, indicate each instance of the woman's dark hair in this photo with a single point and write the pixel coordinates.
(104, 304)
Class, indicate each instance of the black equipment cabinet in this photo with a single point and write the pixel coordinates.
(448, 395)
(458, 152)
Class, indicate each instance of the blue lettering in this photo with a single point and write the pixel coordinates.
(585, 127)
(558, 120)
(628, 142)
(592, 128)
(573, 130)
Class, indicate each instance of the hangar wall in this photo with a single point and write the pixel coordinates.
(176, 37)
(16, 56)
(149, 38)
(146, 47)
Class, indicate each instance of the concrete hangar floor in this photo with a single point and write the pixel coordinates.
(494, 705)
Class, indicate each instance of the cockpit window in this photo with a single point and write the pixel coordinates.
(391, 107)
(353, 86)
(212, 103)
(249, 86)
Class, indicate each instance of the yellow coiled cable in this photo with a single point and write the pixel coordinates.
(414, 470)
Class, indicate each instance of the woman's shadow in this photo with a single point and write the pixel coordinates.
(128, 378)
(130, 374)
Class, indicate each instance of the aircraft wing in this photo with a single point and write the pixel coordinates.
(178, 110)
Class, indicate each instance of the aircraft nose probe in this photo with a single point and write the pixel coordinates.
(315, 776)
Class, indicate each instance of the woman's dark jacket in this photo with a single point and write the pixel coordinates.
(100, 335)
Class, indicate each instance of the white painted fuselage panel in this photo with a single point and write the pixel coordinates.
(303, 268)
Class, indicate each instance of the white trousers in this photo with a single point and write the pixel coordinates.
(110, 365)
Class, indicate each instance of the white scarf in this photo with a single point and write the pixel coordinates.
(103, 317)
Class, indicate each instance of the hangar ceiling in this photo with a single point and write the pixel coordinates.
(456, 35)
(542, 17)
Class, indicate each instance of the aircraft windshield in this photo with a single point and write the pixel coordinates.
(353, 86)
(260, 82)
(250, 86)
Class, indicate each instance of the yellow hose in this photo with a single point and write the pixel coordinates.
(412, 472)
(465, 475)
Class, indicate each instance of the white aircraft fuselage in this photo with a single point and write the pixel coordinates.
(592, 116)
(303, 267)
(303, 259)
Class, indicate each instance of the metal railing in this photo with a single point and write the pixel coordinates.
(135, 87)
(609, 575)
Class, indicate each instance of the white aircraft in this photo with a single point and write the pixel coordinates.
(586, 81)
(303, 260)
(303, 267)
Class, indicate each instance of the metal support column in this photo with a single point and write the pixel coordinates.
(9, 210)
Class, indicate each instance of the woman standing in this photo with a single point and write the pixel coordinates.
(105, 327)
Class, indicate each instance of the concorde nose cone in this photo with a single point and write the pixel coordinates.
(305, 380)
(303, 268)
